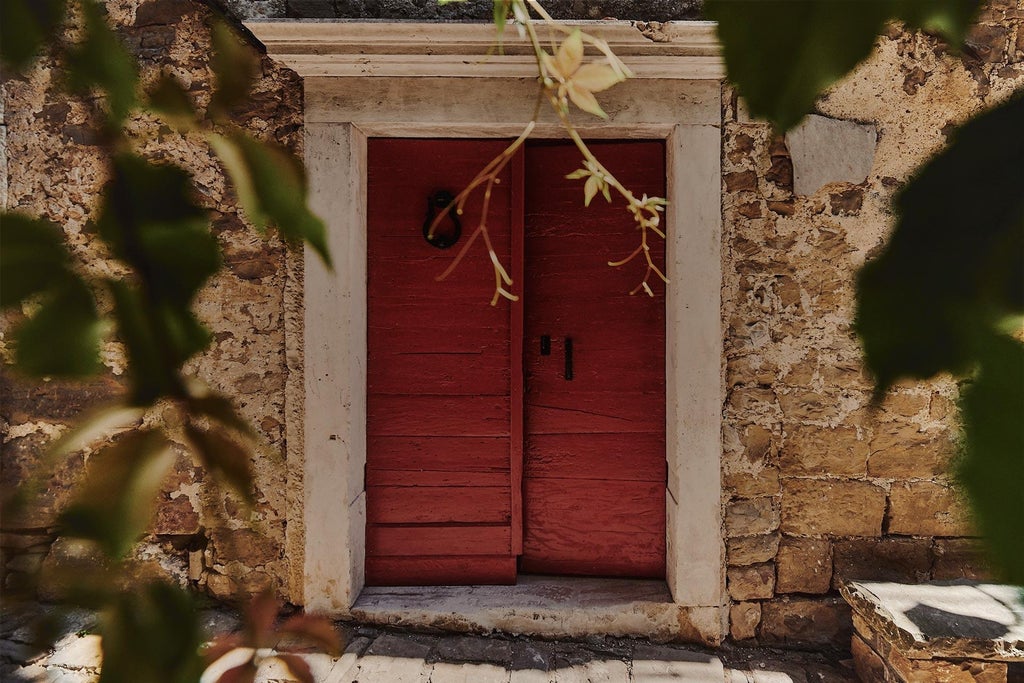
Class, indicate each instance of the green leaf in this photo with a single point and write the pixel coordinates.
(224, 457)
(25, 25)
(271, 189)
(101, 61)
(954, 266)
(992, 466)
(150, 220)
(782, 53)
(169, 98)
(32, 257)
(234, 65)
(159, 339)
(117, 501)
(63, 338)
(151, 635)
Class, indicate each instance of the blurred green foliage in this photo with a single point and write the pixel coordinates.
(148, 218)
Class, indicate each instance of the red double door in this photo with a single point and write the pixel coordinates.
(527, 437)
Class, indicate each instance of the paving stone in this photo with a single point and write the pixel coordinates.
(653, 663)
(473, 649)
(527, 655)
(393, 669)
(447, 672)
(389, 645)
(79, 653)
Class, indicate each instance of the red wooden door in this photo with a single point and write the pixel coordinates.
(451, 497)
(594, 477)
(439, 490)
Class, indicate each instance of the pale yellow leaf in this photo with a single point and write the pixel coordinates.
(570, 54)
(585, 100)
(596, 77)
(590, 189)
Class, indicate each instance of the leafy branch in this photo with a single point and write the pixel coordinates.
(563, 78)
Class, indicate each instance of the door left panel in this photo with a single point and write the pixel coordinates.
(438, 478)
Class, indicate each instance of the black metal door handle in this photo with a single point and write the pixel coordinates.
(568, 358)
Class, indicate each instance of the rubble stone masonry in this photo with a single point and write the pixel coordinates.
(819, 485)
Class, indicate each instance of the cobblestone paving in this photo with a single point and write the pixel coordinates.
(393, 656)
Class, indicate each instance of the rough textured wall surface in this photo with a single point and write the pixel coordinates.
(819, 486)
(56, 170)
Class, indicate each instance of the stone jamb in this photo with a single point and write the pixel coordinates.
(677, 98)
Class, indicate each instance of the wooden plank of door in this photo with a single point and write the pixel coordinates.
(594, 480)
(439, 377)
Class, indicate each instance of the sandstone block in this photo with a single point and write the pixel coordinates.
(805, 621)
(751, 583)
(905, 560)
(823, 451)
(799, 405)
(740, 180)
(804, 565)
(751, 517)
(748, 550)
(924, 508)
(869, 666)
(959, 558)
(176, 516)
(743, 620)
(814, 507)
(245, 546)
(752, 485)
(900, 451)
(827, 150)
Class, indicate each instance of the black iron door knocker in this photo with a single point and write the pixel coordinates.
(443, 237)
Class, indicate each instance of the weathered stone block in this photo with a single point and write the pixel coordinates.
(959, 558)
(176, 516)
(828, 150)
(756, 582)
(738, 181)
(804, 565)
(751, 517)
(901, 451)
(245, 546)
(869, 666)
(823, 451)
(814, 507)
(743, 620)
(882, 559)
(925, 508)
(752, 485)
(747, 550)
(805, 621)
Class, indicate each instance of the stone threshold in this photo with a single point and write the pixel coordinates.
(546, 607)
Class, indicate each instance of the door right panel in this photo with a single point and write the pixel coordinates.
(594, 475)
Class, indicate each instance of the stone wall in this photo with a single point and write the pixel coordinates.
(819, 485)
(56, 170)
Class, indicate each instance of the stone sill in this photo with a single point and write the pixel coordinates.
(547, 607)
(942, 620)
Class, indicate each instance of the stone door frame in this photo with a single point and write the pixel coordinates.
(435, 80)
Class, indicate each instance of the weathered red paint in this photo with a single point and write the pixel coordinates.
(594, 488)
(438, 489)
(478, 449)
